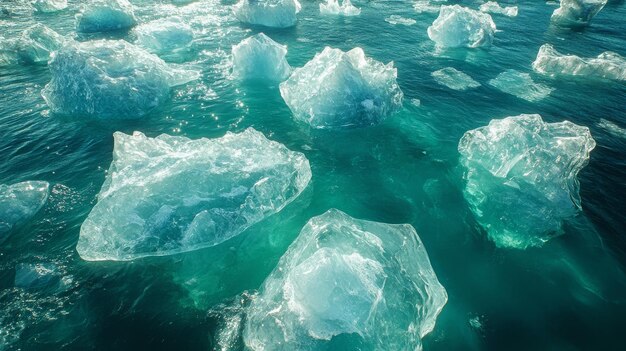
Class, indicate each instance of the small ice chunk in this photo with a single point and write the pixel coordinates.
(34, 46)
(19, 203)
(171, 194)
(495, 8)
(576, 13)
(454, 79)
(259, 57)
(395, 19)
(109, 79)
(269, 13)
(521, 85)
(607, 65)
(49, 6)
(330, 90)
(612, 128)
(37, 276)
(426, 6)
(105, 16)
(332, 7)
(459, 26)
(520, 175)
(163, 36)
(369, 283)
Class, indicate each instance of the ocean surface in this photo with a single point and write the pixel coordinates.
(569, 294)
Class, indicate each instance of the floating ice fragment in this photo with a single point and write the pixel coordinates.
(347, 279)
(168, 194)
(495, 8)
(612, 128)
(426, 6)
(48, 6)
(109, 79)
(34, 46)
(520, 175)
(521, 85)
(459, 26)
(576, 13)
(269, 13)
(37, 276)
(454, 79)
(332, 7)
(395, 19)
(20, 202)
(163, 36)
(342, 89)
(105, 16)
(259, 57)
(607, 65)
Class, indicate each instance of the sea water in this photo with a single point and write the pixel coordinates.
(569, 294)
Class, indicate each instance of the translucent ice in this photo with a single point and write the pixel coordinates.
(520, 177)
(332, 7)
(34, 46)
(521, 85)
(459, 26)
(105, 16)
(576, 13)
(170, 194)
(269, 13)
(351, 281)
(259, 57)
(342, 89)
(47, 6)
(163, 36)
(19, 202)
(454, 79)
(608, 65)
(37, 276)
(395, 19)
(109, 79)
(495, 8)
(427, 6)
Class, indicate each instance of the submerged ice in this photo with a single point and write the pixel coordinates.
(20, 202)
(607, 65)
(109, 79)
(459, 26)
(521, 177)
(48, 6)
(259, 57)
(105, 16)
(269, 13)
(454, 79)
(345, 281)
(164, 36)
(576, 13)
(342, 89)
(171, 194)
(521, 85)
(332, 7)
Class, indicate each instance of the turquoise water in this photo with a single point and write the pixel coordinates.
(568, 295)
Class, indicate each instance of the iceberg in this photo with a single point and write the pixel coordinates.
(164, 36)
(34, 46)
(332, 7)
(395, 19)
(269, 13)
(49, 6)
(19, 203)
(109, 79)
(454, 79)
(576, 13)
(259, 57)
(520, 175)
(520, 85)
(345, 280)
(608, 65)
(105, 16)
(495, 8)
(342, 89)
(459, 26)
(171, 194)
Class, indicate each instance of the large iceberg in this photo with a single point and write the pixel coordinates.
(259, 57)
(344, 282)
(109, 79)
(607, 65)
(20, 202)
(171, 194)
(164, 36)
(342, 89)
(49, 6)
(454, 79)
(34, 46)
(576, 13)
(332, 7)
(459, 26)
(495, 8)
(520, 175)
(269, 13)
(105, 16)
(521, 85)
